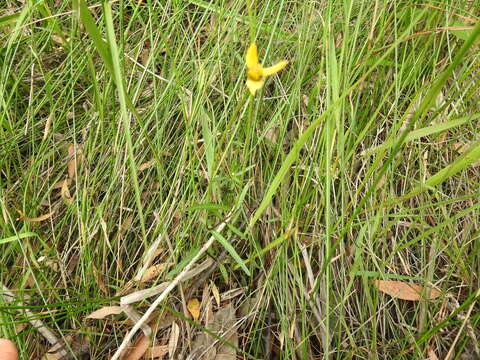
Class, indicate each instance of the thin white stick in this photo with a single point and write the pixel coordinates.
(148, 258)
(167, 291)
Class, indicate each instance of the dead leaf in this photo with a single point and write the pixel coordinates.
(154, 270)
(403, 290)
(173, 341)
(78, 346)
(65, 193)
(99, 279)
(72, 263)
(37, 219)
(216, 293)
(156, 352)
(381, 182)
(104, 312)
(57, 39)
(139, 349)
(59, 185)
(47, 126)
(233, 293)
(71, 163)
(460, 147)
(145, 165)
(193, 307)
(75, 157)
(225, 318)
(223, 324)
(431, 354)
(20, 327)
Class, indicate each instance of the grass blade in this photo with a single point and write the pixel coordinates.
(231, 251)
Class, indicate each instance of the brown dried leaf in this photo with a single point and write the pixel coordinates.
(72, 163)
(77, 343)
(403, 290)
(460, 147)
(99, 279)
(139, 349)
(20, 327)
(431, 354)
(37, 219)
(65, 193)
(173, 341)
(233, 293)
(104, 312)
(57, 351)
(157, 352)
(216, 293)
(193, 307)
(223, 324)
(226, 319)
(46, 130)
(74, 156)
(59, 184)
(57, 39)
(154, 270)
(146, 165)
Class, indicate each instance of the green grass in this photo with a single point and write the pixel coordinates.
(359, 161)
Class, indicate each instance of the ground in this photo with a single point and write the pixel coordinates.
(334, 214)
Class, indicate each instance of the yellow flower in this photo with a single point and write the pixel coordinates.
(256, 73)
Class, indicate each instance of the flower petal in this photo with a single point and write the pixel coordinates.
(254, 85)
(252, 56)
(275, 68)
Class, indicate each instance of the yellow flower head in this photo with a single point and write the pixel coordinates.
(256, 73)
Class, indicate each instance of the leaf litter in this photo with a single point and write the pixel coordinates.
(193, 307)
(105, 311)
(223, 323)
(405, 291)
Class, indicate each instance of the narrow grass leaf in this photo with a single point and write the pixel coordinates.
(208, 206)
(208, 141)
(426, 131)
(90, 26)
(468, 158)
(17, 237)
(8, 19)
(125, 102)
(224, 242)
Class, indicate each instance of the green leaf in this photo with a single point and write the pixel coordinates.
(179, 267)
(429, 130)
(471, 156)
(208, 141)
(208, 206)
(8, 19)
(463, 31)
(17, 237)
(89, 22)
(231, 251)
